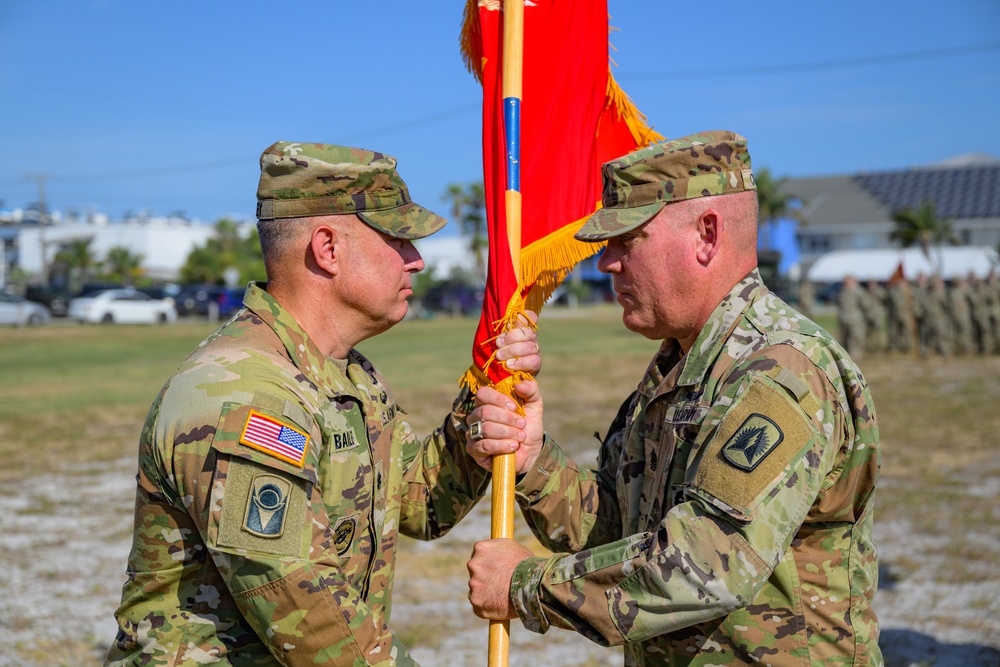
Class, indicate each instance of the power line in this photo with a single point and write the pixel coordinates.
(814, 66)
(232, 162)
(440, 116)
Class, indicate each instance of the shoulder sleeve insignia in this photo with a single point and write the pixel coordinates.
(265, 515)
(275, 437)
(761, 436)
(752, 442)
(261, 510)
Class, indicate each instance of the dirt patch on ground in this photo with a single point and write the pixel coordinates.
(66, 536)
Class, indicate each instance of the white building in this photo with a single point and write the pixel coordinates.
(163, 243)
(443, 255)
(881, 263)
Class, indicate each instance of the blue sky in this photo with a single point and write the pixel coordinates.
(128, 105)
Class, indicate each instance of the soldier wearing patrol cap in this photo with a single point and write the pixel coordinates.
(729, 519)
(275, 467)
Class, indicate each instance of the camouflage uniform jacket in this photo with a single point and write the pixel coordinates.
(729, 521)
(273, 482)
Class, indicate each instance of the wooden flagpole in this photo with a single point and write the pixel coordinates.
(504, 470)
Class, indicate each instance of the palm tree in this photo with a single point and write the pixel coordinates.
(228, 249)
(772, 205)
(203, 266)
(79, 260)
(121, 264)
(468, 209)
(227, 233)
(922, 227)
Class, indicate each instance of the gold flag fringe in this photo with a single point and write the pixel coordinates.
(469, 36)
(474, 378)
(546, 262)
(636, 121)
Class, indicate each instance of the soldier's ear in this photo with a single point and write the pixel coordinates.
(324, 247)
(710, 227)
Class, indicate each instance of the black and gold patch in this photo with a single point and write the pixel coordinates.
(752, 442)
(762, 434)
(343, 534)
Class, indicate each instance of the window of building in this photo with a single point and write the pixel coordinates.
(815, 243)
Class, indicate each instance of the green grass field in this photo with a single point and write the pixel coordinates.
(79, 394)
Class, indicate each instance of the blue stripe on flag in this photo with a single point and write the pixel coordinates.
(512, 128)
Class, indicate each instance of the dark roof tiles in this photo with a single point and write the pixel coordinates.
(967, 192)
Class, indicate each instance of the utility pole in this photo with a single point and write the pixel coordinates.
(43, 219)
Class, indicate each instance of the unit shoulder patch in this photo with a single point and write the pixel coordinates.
(261, 510)
(760, 436)
(275, 437)
(752, 442)
(265, 514)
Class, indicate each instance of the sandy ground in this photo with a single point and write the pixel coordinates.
(64, 541)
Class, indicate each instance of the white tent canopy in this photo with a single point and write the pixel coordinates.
(880, 264)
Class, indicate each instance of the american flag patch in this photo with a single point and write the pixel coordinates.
(275, 438)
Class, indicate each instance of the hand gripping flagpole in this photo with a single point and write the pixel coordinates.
(504, 469)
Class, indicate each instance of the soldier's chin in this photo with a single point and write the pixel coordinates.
(404, 308)
(634, 322)
(630, 320)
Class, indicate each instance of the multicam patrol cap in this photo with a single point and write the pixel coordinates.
(299, 180)
(641, 183)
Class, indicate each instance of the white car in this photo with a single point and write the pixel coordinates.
(20, 312)
(122, 306)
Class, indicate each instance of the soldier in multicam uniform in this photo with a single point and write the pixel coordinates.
(980, 305)
(876, 319)
(937, 317)
(806, 296)
(902, 325)
(729, 520)
(992, 293)
(920, 289)
(275, 467)
(851, 304)
(961, 316)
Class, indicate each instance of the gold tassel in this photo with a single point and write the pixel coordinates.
(626, 110)
(468, 37)
(548, 261)
(474, 377)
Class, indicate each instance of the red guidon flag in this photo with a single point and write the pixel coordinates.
(572, 117)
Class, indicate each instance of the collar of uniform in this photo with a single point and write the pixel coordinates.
(324, 372)
(660, 368)
(366, 379)
(720, 325)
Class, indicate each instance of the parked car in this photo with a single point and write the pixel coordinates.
(194, 299)
(157, 292)
(20, 312)
(230, 300)
(90, 289)
(454, 298)
(122, 306)
(55, 299)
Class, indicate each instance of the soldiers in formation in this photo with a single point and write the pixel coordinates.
(929, 316)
